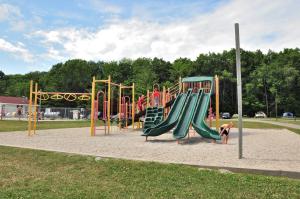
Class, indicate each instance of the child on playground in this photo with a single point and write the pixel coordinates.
(19, 111)
(224, 132)
(156, 96)
(141, 102)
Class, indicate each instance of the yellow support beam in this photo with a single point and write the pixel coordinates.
(103, 81)
(108, 103)
(164, 97)
(148, 98)
(217, 103)
(180, 85)
(93, 107)
(127, 87)
(35, 107)
(29, 108)
(120, 104)
(133, 106)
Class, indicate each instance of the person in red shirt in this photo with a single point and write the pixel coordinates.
(156, 96)
(141, 102)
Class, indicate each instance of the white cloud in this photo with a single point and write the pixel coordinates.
(263, 25)
(17, 50)
(8, 11)
(54, 54)
(13, 16)
(101, 6)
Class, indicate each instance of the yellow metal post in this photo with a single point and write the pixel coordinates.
(164, 96)
(35, 107)
(164, 100)
(93, 107)
(180, 85)
(148, 98)
(217, 103)
(120, 104)
(29, 108)
(126, 114)
(133, 106)
(108, 103)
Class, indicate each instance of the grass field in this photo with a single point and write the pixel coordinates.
(28, 173)
(290, 121)
(257, 125)
(15, 125)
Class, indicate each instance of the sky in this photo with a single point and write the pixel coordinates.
(35, 34)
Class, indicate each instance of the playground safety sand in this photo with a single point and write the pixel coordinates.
(263, 149)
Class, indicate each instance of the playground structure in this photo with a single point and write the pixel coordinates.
(36, 94)
(107, 108)
(188, 97)
(123, 107)
(189, 109)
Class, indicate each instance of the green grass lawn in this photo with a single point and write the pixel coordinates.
(15, 125)
(290, 121)
(26, 173)
(256, 125)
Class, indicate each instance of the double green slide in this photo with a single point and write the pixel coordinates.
(188, 108)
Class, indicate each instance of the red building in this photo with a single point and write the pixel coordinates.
(9, 106)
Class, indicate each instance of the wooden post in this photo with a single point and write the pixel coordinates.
(93, 107)
(29, 108)
(217, 103)
(35, 107)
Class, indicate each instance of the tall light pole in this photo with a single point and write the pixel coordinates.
(239, 88)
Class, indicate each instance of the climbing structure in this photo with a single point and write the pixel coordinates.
(190, 109)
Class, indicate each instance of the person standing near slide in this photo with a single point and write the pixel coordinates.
(224, 132)
(156, 96)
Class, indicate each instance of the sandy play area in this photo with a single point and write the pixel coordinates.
(263, 149)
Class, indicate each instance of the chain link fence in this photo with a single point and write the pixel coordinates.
(14, 112)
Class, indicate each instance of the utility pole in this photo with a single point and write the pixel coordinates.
(239, 88)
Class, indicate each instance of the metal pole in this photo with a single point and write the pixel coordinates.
(120, 105)
(40, 107)
(180, 85)
(217, 104)
(132, 107)
(93, 107)
(108, 104)
(29, 108)
(239, 89)
(148, 98)
(276, 105)
(35, 107)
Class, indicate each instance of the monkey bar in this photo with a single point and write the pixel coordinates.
(44, 96)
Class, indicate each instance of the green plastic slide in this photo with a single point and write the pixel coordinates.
(182, 127)
(198, 122)
(172, 118)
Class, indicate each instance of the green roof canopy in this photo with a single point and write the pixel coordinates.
(198, 79)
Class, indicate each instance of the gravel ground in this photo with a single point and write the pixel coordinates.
(266, 149)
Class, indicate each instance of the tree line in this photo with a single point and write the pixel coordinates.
(267, 78)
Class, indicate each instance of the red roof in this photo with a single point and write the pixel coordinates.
(13, 100)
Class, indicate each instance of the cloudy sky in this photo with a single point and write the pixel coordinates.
(36, 34)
